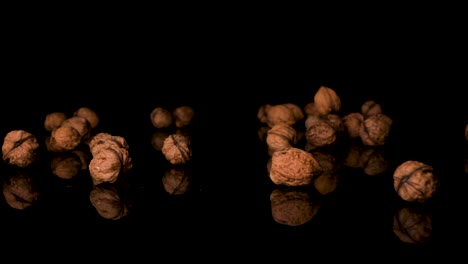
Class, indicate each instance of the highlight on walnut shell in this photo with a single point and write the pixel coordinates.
(177, 149)
(176, 179)
(326, 100)
(415, 181)
(320, 131)
(108, 201)
(161, 117)
(293, 167)
(412, 225)
(292, 206)
(21, 189)
(20, 148)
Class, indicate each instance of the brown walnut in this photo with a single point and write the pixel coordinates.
(20, 148)
(415, 181)
(293, 207)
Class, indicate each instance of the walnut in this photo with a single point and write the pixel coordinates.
(157, 140)
(176, 179)
(183, 116)
(319, 132)
(293, 167)
(20, 148)
(293, 207)
(109, 164)
(311, 109)
(352, 124)
(21, 189)
(89, 114)
(296, 111)
(373, 161)
(375, 130)
(415, 181)
(80, 124)
(67, 165)
(280, 137)
(326, 100)
(412, 225)
(280, 114)
(353, 157)
(108, 201)
(177, 149)
(327, 181)
(54, 120)
(161, 117)
(64, 138)
(105, 140)
(370, 108)
(262, 113)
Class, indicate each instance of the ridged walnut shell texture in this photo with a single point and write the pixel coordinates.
(414, 181)
(375, 130)
(20, 148)
(293, 167)
(280, 137)
(326, 100)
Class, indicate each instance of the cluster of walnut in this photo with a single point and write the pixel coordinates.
(20, 148)
(175, 144)
(110, 158)
(415, 181)
(67, 133)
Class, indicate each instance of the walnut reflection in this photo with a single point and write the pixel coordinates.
(370, 159)
(293, 206)
(412, 224)
(69, 164)
(176, 179)
(110, 201)
(326, 182)
(21, 189)
(157, 140)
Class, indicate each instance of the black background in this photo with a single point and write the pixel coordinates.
(226, 76)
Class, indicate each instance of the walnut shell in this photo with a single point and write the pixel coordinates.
(352, 124)
(109, 164)
(296, 111)
(310, 109)
(262, 113)
(176, 180)
(293, 167)
(161, 117)
(64, 138)
(280, 114)
(20, 148)
(157, 140)
(326, 100)
(89, 114)
(373, 161)
(326, 183)
(177, 149)
(370, 108)
(375, 130)
(54, 120)
(80, 124)
(415, 181)
(280, 137)
(319, 132)
(183, 116)
(21, 190)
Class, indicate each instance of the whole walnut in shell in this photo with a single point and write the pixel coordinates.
(54, 120)
(370, 108)
(105, 140)
(161, 117)
(352, 124)
(415, 181)
(109, 164)
(64, 138)
(80, 124)
(108, 202)
(280, 137)
(320, 132)
(293, 167)
(177, 149)
(375, 130)
(280, 114)
(89, 114)
(20, 148)
(183, 116)
(310, 109)
(326, 100)
(293, 207)
(412, 225)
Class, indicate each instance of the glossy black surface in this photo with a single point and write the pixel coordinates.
(226, 207)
